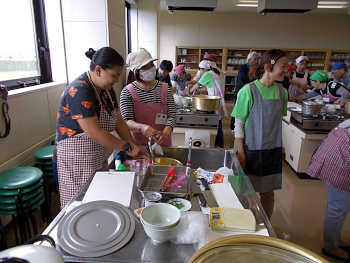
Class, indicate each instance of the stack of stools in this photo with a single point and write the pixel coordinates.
(22, 190)
(43, 161)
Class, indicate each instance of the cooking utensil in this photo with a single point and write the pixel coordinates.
(117, 187)
(310, 107)
(209, 197)
(254, 248)
(168, 161)
(168, 177)
(33, 253)
(197, 191)
(206, 102)
(155, 175)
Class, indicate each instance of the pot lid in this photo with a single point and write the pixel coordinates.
(96, 229)
(309, 102)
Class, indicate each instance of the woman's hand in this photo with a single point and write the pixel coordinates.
(283, 154)
(162, 137)
(148, 130)
(298, 84)
(242, 159)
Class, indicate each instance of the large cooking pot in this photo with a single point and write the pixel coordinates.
(33, 253)
(206, 102)
(311, 107)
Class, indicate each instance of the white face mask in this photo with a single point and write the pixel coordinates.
(149, 74)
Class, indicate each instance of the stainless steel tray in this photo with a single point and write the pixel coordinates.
(155, 175)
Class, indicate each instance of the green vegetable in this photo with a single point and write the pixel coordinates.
(178, 205)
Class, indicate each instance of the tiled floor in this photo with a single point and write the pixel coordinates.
(299, 207)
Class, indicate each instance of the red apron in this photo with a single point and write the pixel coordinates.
(79, 157)
(146, 113)
(294, 91)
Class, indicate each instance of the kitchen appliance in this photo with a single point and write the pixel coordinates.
(189, 117)
(33, 253)
(320, 123)
(96, 229)
(206, 102)
(224, 218)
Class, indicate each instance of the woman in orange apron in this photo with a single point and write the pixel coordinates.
(87, 113)
(147, 105)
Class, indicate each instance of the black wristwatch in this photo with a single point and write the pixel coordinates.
(127, 147)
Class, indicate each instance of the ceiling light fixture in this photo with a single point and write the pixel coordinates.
(248, 5)
(332, 6)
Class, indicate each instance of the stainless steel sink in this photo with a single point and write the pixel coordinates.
(209, 159)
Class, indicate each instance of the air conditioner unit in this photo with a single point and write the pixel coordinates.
(191, 5)
(286, 6)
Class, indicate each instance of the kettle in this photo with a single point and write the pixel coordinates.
(29, 253)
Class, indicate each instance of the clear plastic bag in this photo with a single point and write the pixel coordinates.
(192, 229)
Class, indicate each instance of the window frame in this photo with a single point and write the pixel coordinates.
(43, 51)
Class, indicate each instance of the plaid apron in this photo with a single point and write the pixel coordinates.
(331, 160)
(79, 157)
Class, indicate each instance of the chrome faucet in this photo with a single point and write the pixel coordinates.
(150, 148)
(189, 152)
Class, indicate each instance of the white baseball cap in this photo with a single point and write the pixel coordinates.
(204, 64)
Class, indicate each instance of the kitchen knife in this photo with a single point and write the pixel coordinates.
(196, 190)
(208, 194)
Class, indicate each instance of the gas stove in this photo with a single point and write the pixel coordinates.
(189, 117)
(322, 123)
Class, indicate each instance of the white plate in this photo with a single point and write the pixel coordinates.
(187, 203)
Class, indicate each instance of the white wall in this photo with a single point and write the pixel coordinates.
(302, 31)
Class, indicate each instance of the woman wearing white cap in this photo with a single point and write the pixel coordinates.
(204, 66)
(301, 79)
(147, 105)
(206, 59)
(213, 81)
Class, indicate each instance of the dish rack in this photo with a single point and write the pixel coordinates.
(155, 175)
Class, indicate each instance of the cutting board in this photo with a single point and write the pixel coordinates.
(111, 186)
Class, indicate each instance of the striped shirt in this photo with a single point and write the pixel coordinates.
(152, 95)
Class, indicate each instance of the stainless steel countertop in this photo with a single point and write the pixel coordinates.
(141, 248)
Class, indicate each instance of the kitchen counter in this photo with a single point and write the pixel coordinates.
(140, 248)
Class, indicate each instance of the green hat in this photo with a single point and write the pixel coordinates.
(322, 76)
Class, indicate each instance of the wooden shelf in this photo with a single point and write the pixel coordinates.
(326, 58)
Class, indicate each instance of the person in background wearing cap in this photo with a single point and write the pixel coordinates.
(301, 78)
(213, 81)
(179, 80)
(331, 91)
(204, 66)
(206, 59)
(287, 78)
(341, 74)
(243, 78)
(162, 73)
(87, 114)
(147, 105)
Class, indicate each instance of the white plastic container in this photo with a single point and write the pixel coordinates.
(117, 161)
